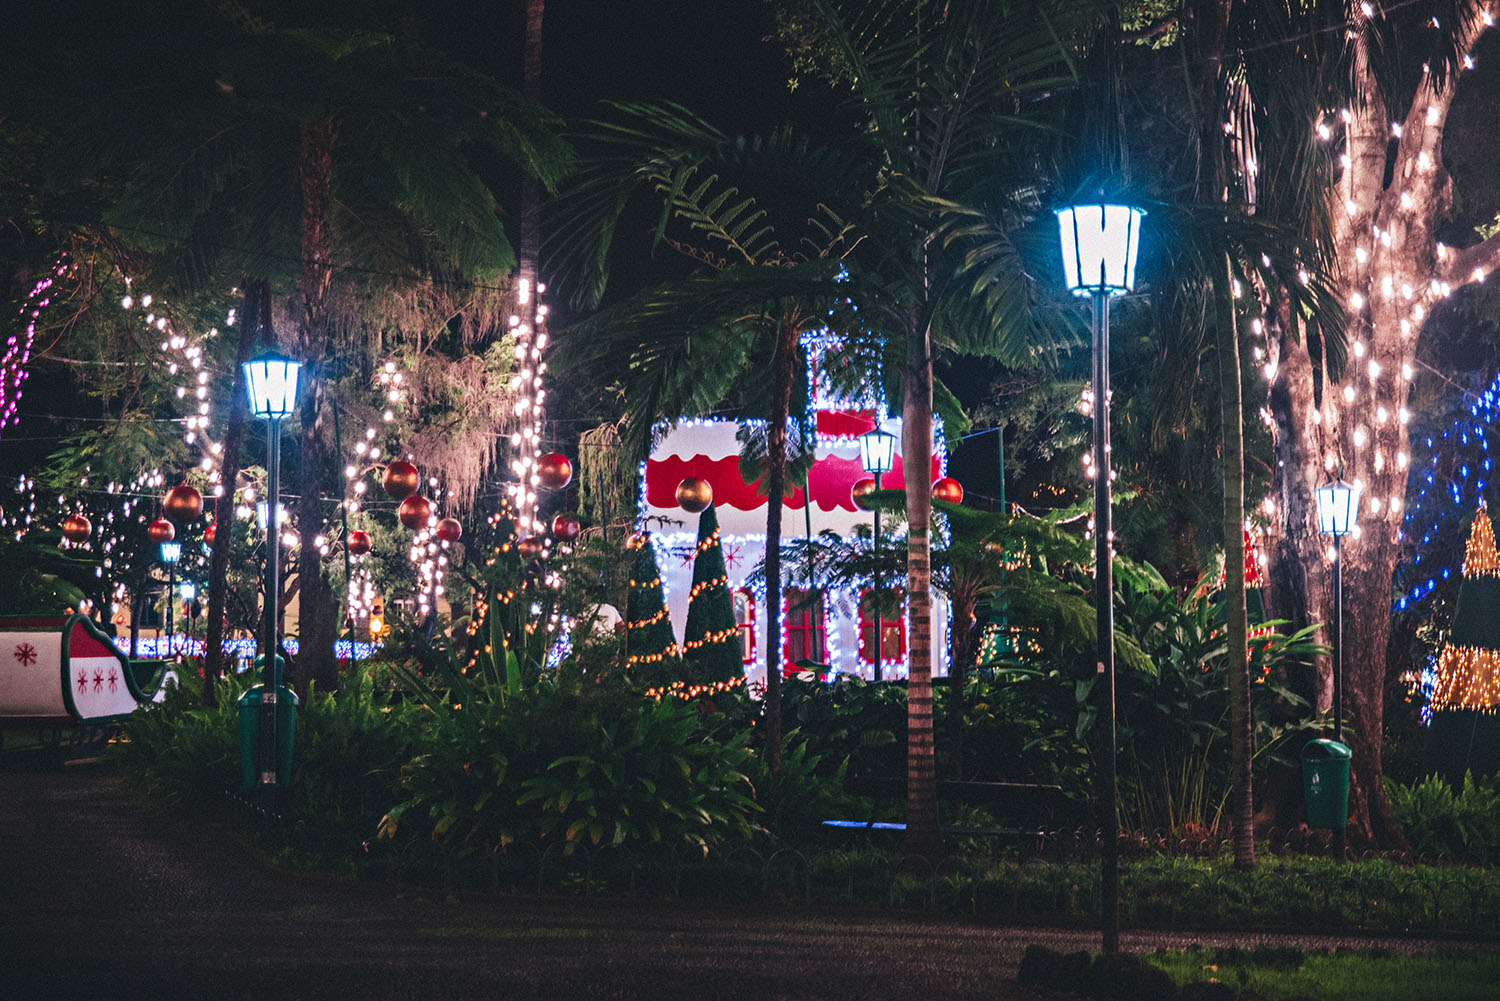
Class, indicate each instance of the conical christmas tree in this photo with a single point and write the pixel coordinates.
(1465, 727)
(710, 641)
(648, 636)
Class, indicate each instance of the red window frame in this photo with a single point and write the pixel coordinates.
(803, 636)
(745, 624)
(892, 633)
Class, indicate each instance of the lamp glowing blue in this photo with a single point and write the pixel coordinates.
(877, 451)
(1099, 244)
(171, 552)
(1338, 507)
(271, 385)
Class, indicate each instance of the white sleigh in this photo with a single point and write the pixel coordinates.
(66, 670)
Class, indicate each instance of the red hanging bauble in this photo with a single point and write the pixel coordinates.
(210, 533)
(401, 480)
(531, 547)
(449, 530)
(415, 511)
(948, 489)
(693, 494)
(565, 527)
(160, 531)
(554, 471)
(181, 504)
(861, 491)
(358, 543)
(76, 528)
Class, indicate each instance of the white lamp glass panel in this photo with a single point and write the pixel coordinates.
(261, 513)
(877, 451)
(1099, 244)
(271, 384)
(1338, 508)
(171, 552)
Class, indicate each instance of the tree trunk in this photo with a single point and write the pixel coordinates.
(923, 836)
(317, 610)
(1241, 728)
(255, 317)
(785, 364)
(961, 633)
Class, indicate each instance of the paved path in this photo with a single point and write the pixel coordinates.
(105, 896)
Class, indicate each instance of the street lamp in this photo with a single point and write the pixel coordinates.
(271, 385)
(1099, 245)
(171, 552)
(1338, 513)
(877, 454)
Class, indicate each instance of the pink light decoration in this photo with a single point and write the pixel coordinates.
(17, 356)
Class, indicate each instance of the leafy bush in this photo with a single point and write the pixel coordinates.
(348, 750)
(1440, 823)
(545, 766)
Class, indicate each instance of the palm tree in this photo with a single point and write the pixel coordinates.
(941, 93)
(739, 318)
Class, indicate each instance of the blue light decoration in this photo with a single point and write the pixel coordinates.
(1456, 480)
(1453, 481)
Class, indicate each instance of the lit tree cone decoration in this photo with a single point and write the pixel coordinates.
(182, 504)
(358, 543)
(565, 527)
(531, 547)
(415, 512)
(449, 530)
(948, 489)
(554, 471)
(160, 531)
(1465, 735)
(861, 491)
(401, 481)
(694, 495)
(76, 528)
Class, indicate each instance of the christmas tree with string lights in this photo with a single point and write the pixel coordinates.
(1465, 734)
(710, 641)
(648, 630)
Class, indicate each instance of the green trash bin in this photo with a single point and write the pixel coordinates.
(1325, 781)
(253, 705)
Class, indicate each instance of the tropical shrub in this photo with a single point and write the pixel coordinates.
(550, 767)
(1443, 823)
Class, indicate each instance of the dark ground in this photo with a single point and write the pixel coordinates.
(104, 896)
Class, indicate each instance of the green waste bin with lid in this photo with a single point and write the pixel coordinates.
(1325, 781)
(253, 704)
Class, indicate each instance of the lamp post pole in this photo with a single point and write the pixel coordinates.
(875, 602)
(171, 601)
(271, 382)
(1104, 613)
(170, 553)
(1338, 511)
(877, 451)
(1099, 244)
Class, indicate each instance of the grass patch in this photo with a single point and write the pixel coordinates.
(1281, 974)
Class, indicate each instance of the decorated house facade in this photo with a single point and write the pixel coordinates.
(830, 626)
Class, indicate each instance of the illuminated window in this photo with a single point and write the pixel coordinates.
(892, 628)
(805, 633)
(744, 619)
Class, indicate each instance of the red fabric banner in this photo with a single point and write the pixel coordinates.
(830, 479)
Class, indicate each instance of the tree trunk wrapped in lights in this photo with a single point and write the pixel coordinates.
(1466, 700)
(710, 640)
(1386, 197)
